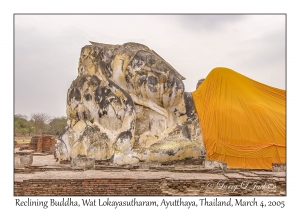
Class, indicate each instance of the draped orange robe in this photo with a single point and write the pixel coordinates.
(243, 121)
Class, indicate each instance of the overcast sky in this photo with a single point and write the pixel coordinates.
(47, 49)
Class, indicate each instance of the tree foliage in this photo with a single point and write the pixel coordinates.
(38, 123)
(22, 126)
(57, 125)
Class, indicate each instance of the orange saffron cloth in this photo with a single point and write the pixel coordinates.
(243, 121)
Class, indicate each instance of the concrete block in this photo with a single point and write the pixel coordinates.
(23, 158)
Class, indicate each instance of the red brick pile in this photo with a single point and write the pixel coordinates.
(43, 143)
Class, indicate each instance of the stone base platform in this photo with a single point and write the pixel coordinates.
(47, 177)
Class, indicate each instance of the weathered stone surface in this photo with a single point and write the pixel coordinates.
(23, 158)
(83, 162)
(128, 105)
(199, 83)
(211, 164)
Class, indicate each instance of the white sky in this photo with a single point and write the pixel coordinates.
(47, 49)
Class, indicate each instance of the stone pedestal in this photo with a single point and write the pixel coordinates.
(147, 165)
(212, 164)
(23, 158)
(82, 161)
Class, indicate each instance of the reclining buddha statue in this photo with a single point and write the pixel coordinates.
(128, 105)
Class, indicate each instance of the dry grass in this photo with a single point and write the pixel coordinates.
(25, 139)
(22, 139)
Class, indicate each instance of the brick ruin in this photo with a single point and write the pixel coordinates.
(142, 187)
(175, 178)
(43, 143)
(190, 176)
(180, 179)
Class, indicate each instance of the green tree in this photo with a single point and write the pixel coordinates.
(31, 130)
(39, 123)
(57, 125)
(24, 131)
(21, 125)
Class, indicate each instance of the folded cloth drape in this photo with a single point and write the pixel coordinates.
(243, 121)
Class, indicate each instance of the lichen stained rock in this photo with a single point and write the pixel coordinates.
(128, 105)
